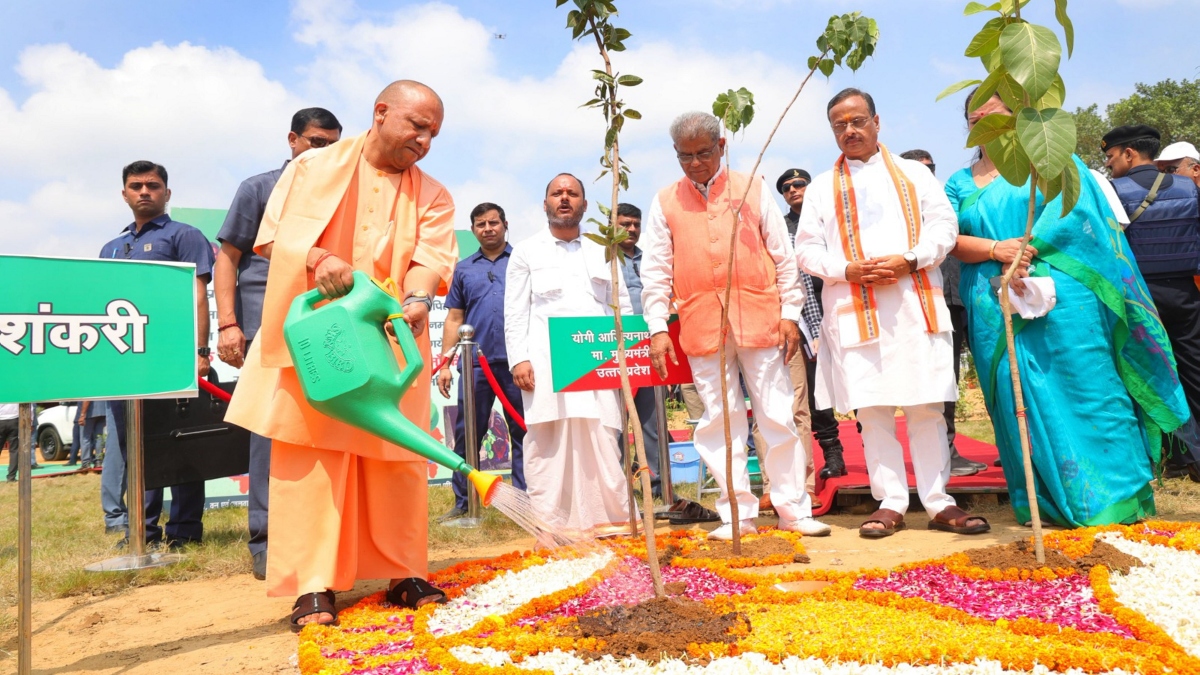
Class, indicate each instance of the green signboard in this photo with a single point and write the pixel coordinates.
(96, 329)
(583, 354)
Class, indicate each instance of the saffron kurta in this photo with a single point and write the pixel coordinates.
(345, 505)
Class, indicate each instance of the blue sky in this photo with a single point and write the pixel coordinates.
(208, 88)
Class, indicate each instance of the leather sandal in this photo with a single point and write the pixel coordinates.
(686, 511)
(954, 519)
(414, 592)
(892, 521)
(310, 604)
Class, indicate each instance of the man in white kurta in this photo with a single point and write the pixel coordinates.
(573, 470)
(897, 353)
(686, 252)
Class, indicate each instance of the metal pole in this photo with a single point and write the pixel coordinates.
(664, 446)
(135, 496)
(466, 344)
(135, 499)
(25, 538)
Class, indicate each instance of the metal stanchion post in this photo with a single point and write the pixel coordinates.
(664, 446)
(466, 343)
(24, 452)
(135, 498)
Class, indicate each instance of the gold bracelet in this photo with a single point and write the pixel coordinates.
(992, 252)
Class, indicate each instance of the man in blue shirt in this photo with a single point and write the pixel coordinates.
(154, 236)
(239, 282)
(630, 218)
(476, 297)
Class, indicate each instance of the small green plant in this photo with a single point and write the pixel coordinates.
(1033, 144)
(848, 39)
(593, 18)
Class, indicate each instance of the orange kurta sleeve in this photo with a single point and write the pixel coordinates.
(437, 246)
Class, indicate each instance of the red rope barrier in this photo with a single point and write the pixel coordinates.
(215, 390)
(491, 378)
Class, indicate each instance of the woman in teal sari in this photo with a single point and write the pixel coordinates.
(1097, 372)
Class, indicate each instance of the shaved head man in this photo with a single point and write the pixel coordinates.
(348, 505)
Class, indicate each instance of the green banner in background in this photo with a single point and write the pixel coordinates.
(96, 329)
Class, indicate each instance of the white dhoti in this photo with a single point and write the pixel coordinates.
(783, 460)
(885, 457)
(574, 475)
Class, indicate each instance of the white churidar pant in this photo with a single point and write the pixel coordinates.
(771, 392)
(574, 475)
(885, 457)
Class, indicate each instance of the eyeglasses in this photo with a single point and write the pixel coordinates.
(796, 184)
(702, 156)
(859, 123)
(317, 141)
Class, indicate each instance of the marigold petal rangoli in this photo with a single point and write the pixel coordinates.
(521, 613)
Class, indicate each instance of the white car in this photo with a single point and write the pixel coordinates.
(54, 431)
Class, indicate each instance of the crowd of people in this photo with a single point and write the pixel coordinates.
(859, 300)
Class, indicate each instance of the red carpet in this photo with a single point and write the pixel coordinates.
(990, 479)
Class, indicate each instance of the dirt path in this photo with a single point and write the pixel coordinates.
(229, 626)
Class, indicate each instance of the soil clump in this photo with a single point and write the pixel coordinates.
(657, 628)
(760, 547)
(1019, 554)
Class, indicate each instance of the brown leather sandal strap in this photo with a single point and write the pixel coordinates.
(886, 517)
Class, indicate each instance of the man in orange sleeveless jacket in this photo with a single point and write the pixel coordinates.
(686, 252)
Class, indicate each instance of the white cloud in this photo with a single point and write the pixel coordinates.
(213, 117)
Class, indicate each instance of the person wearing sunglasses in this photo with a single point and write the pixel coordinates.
(686, 250)
(1180, 159)
(875, 228)
(239, 282)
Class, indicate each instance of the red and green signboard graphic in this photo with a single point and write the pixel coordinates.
(583, 354)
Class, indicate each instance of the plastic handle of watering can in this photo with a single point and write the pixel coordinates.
(413, 363)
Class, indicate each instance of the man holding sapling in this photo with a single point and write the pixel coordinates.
(686, 253)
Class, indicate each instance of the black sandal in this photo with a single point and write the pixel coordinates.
(685, 512)
(410, 593)
(310, 604)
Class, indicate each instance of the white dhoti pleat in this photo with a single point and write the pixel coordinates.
(573, 473)
(783, 460)
(885, 457)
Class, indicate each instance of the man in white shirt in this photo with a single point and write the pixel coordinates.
(875, 229)
(573, 471)
(686, 253)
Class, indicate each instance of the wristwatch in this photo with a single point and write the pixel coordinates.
(203, 351)
(419, 295)
(911, 259)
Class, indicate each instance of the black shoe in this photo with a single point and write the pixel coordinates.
(176, 545)
(1193, 471)
(453, 513)
(961, 466)
(997, 462)
(70, 464)
(835, 464)
(260, 565)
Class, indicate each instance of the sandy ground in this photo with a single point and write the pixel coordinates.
(230, 626)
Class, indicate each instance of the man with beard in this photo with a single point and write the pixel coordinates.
(572, 460)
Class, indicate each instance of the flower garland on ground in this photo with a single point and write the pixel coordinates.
(517, 614)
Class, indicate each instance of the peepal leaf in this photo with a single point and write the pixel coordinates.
(1009, 157)
(1048, 137)
(989, 129)
(1071, 187)
(956, 87)
(1031, 54)
(1060, 13)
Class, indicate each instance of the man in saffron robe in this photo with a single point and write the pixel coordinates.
(875, 229)
(348, 505)
(686, 251)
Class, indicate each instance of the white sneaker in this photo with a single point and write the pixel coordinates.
(725, 532)
(809, 527)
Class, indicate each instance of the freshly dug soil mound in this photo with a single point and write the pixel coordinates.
(1020, 555)
(755, 548)
(656, 628)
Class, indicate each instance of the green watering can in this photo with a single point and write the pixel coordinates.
(348, 371)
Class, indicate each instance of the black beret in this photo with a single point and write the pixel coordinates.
(789, 175)
(1128, 134)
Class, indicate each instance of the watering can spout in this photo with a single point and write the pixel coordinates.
(348, 371)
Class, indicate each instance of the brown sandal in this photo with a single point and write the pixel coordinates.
(310, 604)
(892, 521)
(954, 519)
